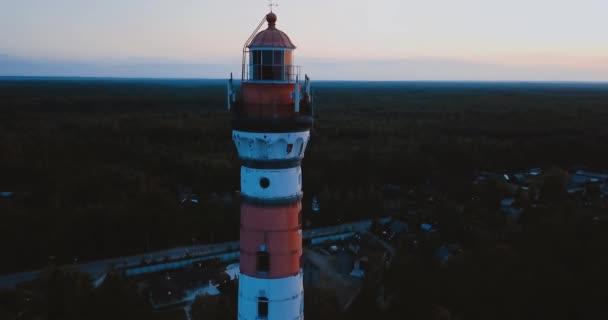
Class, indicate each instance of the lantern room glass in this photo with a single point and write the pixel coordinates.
(268, 65)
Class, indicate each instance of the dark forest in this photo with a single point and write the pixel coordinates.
(97, 168)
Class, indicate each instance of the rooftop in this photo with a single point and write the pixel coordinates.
(271, 37)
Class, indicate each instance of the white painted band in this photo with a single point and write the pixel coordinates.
(270, 146)
(285, 297)
(271, 184)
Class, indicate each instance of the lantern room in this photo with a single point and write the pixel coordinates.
(270, 55)
(272, 118)
(272, 96)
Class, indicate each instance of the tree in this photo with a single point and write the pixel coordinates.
(554, 185)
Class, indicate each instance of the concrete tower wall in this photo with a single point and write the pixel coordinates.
(271, 184)
(285, 297)
(271, 132)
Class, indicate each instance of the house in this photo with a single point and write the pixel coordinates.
(233, 271)
(426, 227)
(581, 179)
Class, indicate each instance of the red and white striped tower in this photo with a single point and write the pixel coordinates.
(272, 117)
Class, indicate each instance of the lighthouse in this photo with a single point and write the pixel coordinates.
(272, 118)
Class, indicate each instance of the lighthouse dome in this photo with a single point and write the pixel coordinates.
(271, 37)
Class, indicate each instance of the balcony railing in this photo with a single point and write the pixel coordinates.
(264, 72)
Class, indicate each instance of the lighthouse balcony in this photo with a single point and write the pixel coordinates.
(275, 149)
(272, 73)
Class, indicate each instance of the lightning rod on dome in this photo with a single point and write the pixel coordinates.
(272, 4)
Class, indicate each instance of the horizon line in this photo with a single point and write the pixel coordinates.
(119, 78)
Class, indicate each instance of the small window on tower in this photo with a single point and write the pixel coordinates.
(263, 261)
(264, 183)
(263, 307)
(289, 148)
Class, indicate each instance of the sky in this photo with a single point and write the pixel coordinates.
(495, 40)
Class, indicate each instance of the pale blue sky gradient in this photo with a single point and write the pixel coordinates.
(555, 40)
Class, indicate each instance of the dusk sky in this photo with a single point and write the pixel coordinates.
(556, 40)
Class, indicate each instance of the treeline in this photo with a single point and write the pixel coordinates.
(97, 166)
(69, 295)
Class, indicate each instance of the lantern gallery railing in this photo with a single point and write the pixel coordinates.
(264, 72)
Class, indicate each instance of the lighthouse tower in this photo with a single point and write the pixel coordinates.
(272, 117)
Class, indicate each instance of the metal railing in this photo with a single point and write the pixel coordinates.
(265, 72)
